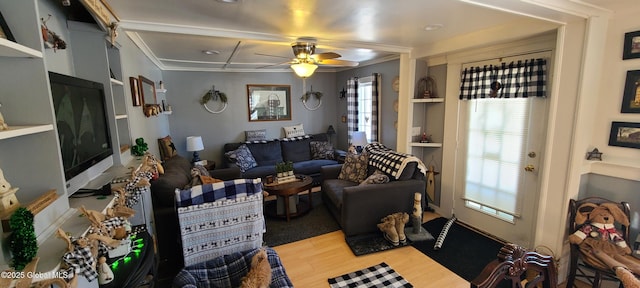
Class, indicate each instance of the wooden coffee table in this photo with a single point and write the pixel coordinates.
(287, 190)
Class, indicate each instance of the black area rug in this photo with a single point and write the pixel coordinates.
(370, 243)
(464, 251)
(316, 222)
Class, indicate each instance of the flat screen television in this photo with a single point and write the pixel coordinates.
(83, 128)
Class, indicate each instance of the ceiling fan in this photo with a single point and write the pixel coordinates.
(306, 60)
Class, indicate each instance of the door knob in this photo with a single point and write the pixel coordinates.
(529, 168)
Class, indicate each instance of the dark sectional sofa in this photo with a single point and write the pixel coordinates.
(268, 153)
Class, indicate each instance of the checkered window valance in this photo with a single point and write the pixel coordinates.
(519, 79)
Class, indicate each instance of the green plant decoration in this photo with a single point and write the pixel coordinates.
(140, 148)
(22, 243)
(213, 95)
(306, 96)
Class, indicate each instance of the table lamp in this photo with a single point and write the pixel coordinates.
(194, 144)
(330, 131)
(359, 140)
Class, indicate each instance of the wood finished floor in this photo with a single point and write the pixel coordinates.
(310, 262)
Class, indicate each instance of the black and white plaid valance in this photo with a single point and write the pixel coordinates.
(519, 79)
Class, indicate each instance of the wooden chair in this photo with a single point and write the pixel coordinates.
(577, 267)
(513, 264)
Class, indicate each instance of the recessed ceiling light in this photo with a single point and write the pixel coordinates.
(432, 27)
(211, 52)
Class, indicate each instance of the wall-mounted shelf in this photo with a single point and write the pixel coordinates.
(161, 90)
(116, 82)
(431, 144)
(13, 49)
(167, 112)
(427, 100)
(121, 116)
(16, 131)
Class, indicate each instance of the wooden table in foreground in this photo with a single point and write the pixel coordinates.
(286, 190)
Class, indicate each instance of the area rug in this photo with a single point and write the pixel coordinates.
(380, 275)
(464, 251)
(370, 243)
(316, 222)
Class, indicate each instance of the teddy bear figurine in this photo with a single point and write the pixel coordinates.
(599, 240)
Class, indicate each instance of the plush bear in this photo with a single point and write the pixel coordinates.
(259, 275)
(598, 238)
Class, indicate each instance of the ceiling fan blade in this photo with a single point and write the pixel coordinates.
(272, 65)
(337, 62)
(273, 55)
(326, 55)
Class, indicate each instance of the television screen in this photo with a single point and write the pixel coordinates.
(81, 118)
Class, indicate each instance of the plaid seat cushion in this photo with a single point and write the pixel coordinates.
(228, 270)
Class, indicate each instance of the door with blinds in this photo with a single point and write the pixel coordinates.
(502, 131)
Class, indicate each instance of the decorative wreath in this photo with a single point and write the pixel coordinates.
(214, 95)
(305, 97)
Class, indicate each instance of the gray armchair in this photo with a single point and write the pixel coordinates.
(359, 208)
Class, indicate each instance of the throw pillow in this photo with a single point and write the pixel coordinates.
(321, 150)
(354, 168)
(166, 147)
(378, 177)
(256, 135)
(294, 131)
(242, 157)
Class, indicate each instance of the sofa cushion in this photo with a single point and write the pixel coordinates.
(321, 150)
(333, 188)
(177, 174)
(259, 171)
(354, 168)
(408, 171)
(267, 153)
(296, 150)
(311, 167)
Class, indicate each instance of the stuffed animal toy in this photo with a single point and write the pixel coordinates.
(598, 236)
(259, 275)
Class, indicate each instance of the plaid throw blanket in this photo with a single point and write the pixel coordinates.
(390, 161)
(220, 218)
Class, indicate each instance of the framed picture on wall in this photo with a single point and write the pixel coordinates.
(631, 97)
(631, 45)
(269, 102)
(135, 91)
(625, 134)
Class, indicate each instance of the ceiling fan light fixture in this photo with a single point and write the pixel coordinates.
(304, 69)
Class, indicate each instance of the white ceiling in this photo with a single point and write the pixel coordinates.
(174, 33)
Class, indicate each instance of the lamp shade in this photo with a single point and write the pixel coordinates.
(330, 130)
(359, 138)
(304, 69)
(194, 143)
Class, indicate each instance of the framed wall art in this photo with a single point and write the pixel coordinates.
(631, 45)
(5, 32)
(269, 102)
(631, 97)
(135, 91)
(625, 134)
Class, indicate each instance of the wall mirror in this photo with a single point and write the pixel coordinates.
(147, 91)
(269, 102)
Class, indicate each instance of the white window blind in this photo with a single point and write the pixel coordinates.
(497, 135)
